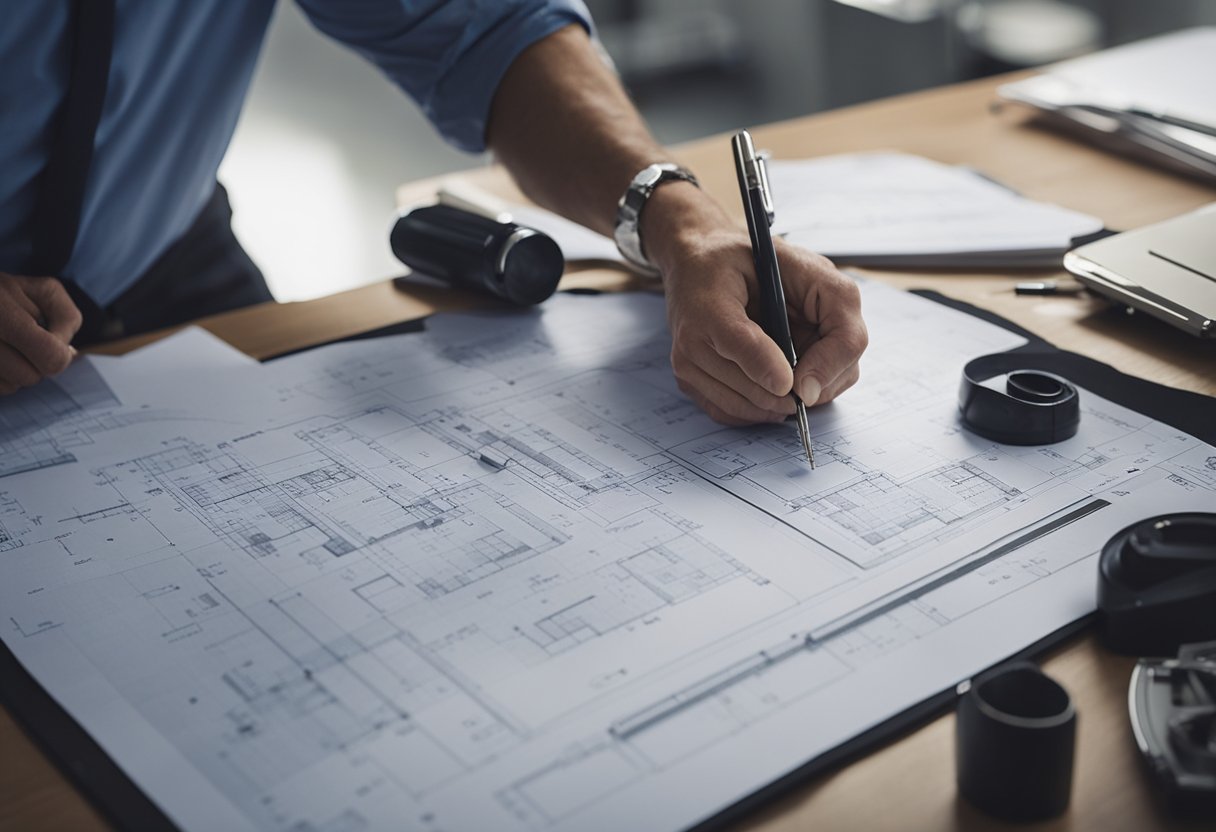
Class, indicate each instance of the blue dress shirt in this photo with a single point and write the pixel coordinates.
(179, 74)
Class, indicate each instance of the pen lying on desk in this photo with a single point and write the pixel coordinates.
(758, 206)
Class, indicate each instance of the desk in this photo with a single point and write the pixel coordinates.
(908, 784)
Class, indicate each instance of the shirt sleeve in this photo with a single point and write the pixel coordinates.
(448, 55)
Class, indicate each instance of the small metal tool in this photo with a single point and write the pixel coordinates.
(1048, 287)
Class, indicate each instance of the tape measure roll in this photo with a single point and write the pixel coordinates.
(1034, 408)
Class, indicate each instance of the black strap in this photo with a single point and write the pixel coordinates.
(56, 217)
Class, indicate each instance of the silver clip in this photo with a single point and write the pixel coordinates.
(766, 194)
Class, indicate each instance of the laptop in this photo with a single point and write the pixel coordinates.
(1167, 270)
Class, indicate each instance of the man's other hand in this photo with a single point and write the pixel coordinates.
(721, 358)
(37, 322)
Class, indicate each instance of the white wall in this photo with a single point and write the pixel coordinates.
(322, 144)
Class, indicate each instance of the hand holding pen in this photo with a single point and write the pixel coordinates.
(721, 357)
(774, 319)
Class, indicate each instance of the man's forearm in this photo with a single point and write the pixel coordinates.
(564, 127)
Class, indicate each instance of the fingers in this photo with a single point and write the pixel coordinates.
(727, 364)
(830, 304)
(49, 354)
(720, 402)
(742, 342)
(721, 358)
(30, 350)
(714, 365)
(59, 314)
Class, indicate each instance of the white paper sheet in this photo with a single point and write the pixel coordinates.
(865, 209)
(1171, 74)
(896, 208)
(189, 379)
(502, 575)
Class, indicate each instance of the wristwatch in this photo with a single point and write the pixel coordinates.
(629, 211)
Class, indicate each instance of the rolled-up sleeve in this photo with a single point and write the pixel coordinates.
(448, 55)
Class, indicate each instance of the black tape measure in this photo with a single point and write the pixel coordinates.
(1034, 408)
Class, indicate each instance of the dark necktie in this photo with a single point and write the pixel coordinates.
(57, 208)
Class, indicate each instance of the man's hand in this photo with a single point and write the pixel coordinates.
(721, 358)
(562, 124)
(37, 322)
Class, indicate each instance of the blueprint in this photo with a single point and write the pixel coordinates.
(502, 575)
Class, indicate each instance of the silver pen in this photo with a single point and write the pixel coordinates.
(758, 206)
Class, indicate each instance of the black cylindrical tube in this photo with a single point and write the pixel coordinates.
(1015, 736)
(469, 251)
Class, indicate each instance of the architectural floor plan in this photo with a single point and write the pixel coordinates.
(502, 575)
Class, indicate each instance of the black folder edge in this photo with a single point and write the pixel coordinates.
(971, 261)
(126, 806)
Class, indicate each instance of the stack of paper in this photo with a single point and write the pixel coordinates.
(1152, 98)
(876, 209)
(893, 209)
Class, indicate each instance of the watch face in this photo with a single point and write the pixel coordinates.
(651, 176)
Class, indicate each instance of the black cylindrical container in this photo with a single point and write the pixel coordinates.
(510, 261)
(1015, 735)
(1157, 584)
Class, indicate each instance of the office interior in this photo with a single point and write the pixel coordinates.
(324, 139)
(324, 151)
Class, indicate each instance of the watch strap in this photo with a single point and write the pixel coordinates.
(629, 211)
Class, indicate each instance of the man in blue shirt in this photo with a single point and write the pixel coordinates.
(117, 113)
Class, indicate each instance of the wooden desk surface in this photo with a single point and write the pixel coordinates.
(909, 784)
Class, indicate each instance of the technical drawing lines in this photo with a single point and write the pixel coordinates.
(556, 467)
(238, 503)
(79, 389)
(891, 517)
(315, 482)
(593, 616)
(584, 773)
(1091, 459)
(39, 425)
(14, 522)
(18, 456)
(724, 455)
(634, 587)
(467, 535)
(505, 348)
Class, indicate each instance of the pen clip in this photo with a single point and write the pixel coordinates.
(753, 171)
(766, 194)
